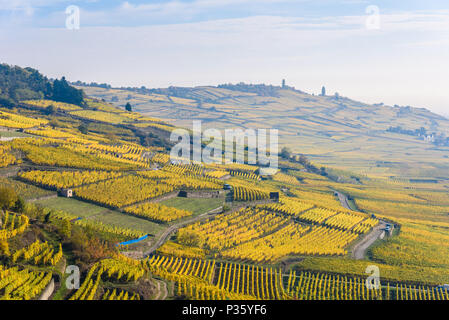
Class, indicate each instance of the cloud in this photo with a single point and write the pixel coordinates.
(200, 4)
(404, 62)
(17, 5)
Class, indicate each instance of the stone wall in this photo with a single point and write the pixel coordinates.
(48, 291)
(202, 194)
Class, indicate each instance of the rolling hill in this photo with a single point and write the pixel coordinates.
(372, 140)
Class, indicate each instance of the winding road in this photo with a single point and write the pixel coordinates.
(359, 250)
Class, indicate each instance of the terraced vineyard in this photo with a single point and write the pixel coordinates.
(235, 233)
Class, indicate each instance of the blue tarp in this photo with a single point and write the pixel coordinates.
(125, 243)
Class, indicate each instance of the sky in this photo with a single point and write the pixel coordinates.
(395, 52)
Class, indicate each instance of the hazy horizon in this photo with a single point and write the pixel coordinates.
(400, 58)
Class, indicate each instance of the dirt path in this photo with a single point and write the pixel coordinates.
(359, 250)
(161, 294)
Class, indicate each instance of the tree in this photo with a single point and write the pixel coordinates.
(20, 204)
(18, 84)
(323, 91)
(8, 198)
(66, 228)
(54, 123)
(63, 92)
(50, 110)
(189, 239)
(128, 107)
(83, 128)
(323, 171)
(286, 153)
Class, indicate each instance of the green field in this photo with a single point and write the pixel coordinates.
(73, 206)
(14, 134)
(197, 206)
(126, 221)
(94, 212)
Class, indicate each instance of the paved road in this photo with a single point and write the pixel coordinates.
(359, 250)
(343, 200)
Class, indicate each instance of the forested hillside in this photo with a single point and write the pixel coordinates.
(17, 84)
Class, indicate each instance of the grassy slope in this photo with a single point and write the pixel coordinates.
(197, 206)
(79, 208)
(127, 221)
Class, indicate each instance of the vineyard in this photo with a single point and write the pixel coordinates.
(204, 280)
(98, 226)
(238, 233)
(157, 212)
(217, 174)
(171, 248)
(12, 120)
(233, 229)
(244, 175)
(120, 295)
(38, 254)
(290, 240)
(270, 232)
(289, 207)
(23, 284)
(57, 105)
(13, 225)
(26, 191)
(6, 158)
(258, 282)
(65, 157)
(285, 178)
(66, 179)
(249, 194)
(123, 191)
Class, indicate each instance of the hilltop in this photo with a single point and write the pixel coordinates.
(372, 140)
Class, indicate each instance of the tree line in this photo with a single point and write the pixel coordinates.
(18, 84)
